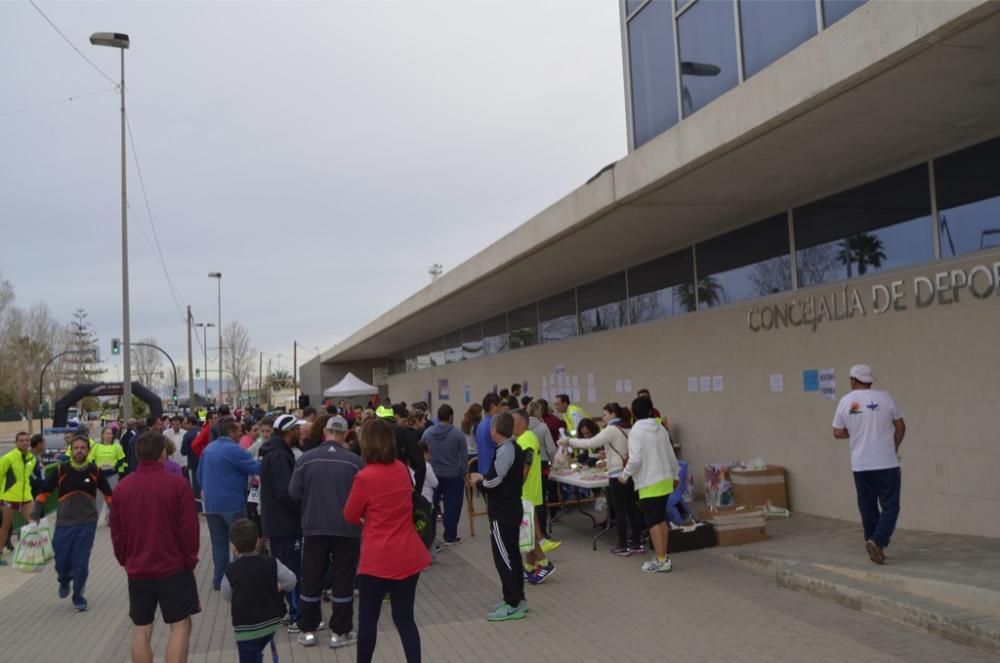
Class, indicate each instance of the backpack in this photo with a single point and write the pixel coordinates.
(423, 519)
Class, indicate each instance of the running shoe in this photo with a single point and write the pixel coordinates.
(638, 550)
(505, 613)
(621, 551)
(307, 639)
(523, 605)
(548, 545)
(63, 590)
(657, 566)
(338, 641)
(80, 604)
(454, 542)
(541, 573)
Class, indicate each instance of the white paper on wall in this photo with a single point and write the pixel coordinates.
(591, 394)
(618, 386)
(705, 382)
(777, 382)
(717, 383)
(693, 385)
(576, 395)
(590, 379)
(576, 381)
(627, 386)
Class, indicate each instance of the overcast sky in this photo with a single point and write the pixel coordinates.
(321, 156)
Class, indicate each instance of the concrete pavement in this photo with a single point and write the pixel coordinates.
(594, 608)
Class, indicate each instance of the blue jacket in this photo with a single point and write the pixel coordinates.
(222, 472)
(449, 450)
(485, 448)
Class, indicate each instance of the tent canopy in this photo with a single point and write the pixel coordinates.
(350, 386)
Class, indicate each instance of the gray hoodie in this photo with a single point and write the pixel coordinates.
(449, 450)
(544, 435)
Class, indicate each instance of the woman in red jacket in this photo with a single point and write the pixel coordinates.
(392, 554)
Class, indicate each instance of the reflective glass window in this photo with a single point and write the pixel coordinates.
(495, 335)
(752, 261)
(877, 226)
(557, 316)
(472, 341)
(707, 35)
(523, 326)
(632, 5)
(437, 352)
(661, 288)
(834, 10)
(410, 355)
(654, 75)
(423, 356)
(602, 304)
(453, 347)
(769, 29)
(968, 197)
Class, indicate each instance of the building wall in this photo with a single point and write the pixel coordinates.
(940, 361)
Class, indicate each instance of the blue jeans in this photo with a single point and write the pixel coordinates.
(453, 494)
(72, 546)
(218, 530)
(252, 651)
(878, 488)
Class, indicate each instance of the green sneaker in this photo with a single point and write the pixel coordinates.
(523, 605)
(505, 613)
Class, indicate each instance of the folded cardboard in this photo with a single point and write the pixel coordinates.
(735, 525)
(758, 487)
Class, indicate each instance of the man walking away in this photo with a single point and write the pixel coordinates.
(322, 481)
(502, 485)
(870, 419)
(77, 481)
(450, 462)
(155, 533)
(223, 470)
(281, 517)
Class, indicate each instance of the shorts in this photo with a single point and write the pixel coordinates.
(177, 596)
(654, 510)
(15, 505)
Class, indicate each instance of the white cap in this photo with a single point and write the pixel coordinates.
(862, 373)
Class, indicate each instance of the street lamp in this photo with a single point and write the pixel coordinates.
(218, 275)
(121, 42)
(205, 349)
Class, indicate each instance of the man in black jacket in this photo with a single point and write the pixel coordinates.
(408, 449)
(281, 519)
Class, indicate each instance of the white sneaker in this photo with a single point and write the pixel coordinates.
(307, 639)
(338, 641)
(656, 566)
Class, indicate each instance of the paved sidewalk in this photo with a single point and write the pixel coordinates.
(594, 608)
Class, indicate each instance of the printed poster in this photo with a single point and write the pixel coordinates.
(717, 383)
(626, 386)
(777, 382)
(591, 394)
(810, 380)
(693, 385)
(827, 384)
(442, 390)
(467, 391)
(705, 382)
(618, 386)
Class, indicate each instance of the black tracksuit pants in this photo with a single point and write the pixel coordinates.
(317, 553)
(507, 556)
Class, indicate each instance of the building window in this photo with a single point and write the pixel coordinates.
(834, 10)
(661, 288)
(602, 304)
(523, 325)
(472, 341)
(707, 36)
(749, 262)
(877, 226)
(968, 198)
(437, 352)
(410, 356)
(453, 348)
(769, 29)
(495, 335)
(654, 74)
(632, 5)
(557, 316)
(423, 356)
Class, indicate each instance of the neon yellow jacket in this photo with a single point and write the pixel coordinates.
(572, 417)
(15, 473)
(108, 456)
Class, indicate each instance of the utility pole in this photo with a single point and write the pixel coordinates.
(190, 366)
(270, 385)
(260, 377)
(295, 372)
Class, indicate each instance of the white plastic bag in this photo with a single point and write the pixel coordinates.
(30, 552)
(45, 532)
(526, 533)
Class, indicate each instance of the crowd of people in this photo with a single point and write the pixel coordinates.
(315, 508)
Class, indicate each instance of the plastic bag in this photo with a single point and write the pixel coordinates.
(756, 464)
(601, 504)
(45, 533)
(29, 555)
(526, 533)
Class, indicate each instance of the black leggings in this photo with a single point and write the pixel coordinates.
(626, 512)
(402, 594)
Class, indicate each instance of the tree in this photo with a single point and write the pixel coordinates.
(82, 367)
(865, 249)
(147, 363)
(710, 293)
(817, 264)
(237, 355)
(29, 340)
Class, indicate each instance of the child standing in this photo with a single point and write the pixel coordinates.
(254, 584)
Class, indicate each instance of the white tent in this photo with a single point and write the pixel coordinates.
(350, 386)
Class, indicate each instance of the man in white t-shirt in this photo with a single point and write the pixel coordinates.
(870, 419)
(176, 435)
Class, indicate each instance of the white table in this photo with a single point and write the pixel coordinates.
(588, 481)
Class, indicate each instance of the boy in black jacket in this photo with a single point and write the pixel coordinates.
(502, 485)
(254, 583)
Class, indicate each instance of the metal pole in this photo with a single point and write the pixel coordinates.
(260, 377)
(190, 367)
(127, 353)
(205, 348)
(270, 385)
(220, 338)
(295, 373)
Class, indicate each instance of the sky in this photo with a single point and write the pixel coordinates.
(320, 155)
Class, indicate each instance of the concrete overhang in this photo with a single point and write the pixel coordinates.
(890, 85)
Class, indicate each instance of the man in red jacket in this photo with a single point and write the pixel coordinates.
(155, 533)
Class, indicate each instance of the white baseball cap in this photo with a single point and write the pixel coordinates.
(862, 373)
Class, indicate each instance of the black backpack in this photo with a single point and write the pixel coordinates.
(423, 518)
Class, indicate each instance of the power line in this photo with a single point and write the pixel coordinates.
(72, 45)
(49, 104)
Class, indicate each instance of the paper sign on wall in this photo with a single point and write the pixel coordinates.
(618, 386)
(705, 382)
(717, 383)
(576, 395)
(576, 381)
(545, 393)
(810, 380)
(777, 382)
(590, 379)
(693, 385)
(524, 387)
(591, 394)
(467, 389)
(627, 386)
(827, 384)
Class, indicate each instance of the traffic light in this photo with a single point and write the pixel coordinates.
(197, 372)
(116, 346)
(175, 398)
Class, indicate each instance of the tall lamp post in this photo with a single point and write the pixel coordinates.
(218, 275)
(205, 349)
(121, 42)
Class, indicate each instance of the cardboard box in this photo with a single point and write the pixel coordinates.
(735, 526)
(757, 487)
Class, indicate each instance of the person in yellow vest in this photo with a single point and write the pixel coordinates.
(16, 467)
(536, 565)
(109, 457)
(571, 414)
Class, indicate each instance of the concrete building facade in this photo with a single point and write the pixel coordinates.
(785, 209)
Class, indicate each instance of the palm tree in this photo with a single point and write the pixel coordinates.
(865, 249)
(710, 293)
